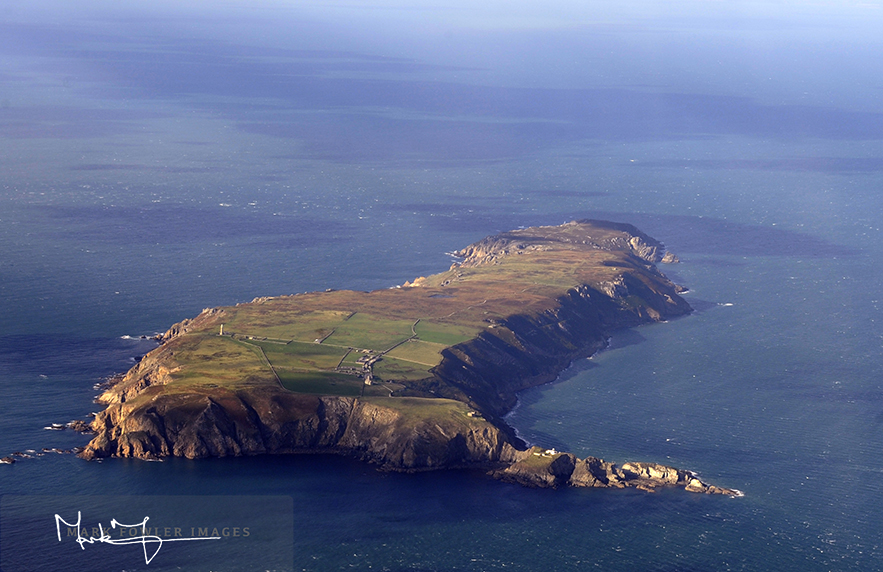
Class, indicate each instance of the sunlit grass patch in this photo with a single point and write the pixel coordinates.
(284, 321)
(321, 383)
(424, 353)
(219, 361)
(370, 332)
(302, 355)
(417, 409)
(391, 369)
(447, 334)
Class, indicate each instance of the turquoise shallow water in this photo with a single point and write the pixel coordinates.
(150, 171)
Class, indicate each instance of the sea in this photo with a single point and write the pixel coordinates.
(161, 158)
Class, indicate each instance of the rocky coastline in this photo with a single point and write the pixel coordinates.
(459, 409)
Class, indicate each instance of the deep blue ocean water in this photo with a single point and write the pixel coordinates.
(158, 161)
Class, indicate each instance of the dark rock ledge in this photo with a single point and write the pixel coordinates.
(550, 469)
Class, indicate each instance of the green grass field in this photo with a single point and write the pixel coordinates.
(321, 383)
(370, 332)
(416, 409)
(219, 360)
(391, 369)
(447, 334)
(278, 320)
(423, 353)
(300, 355)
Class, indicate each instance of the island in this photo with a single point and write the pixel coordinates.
(412, 378)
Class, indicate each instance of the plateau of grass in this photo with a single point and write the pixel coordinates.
(391, 369)
(443, 411)
(305, 337)
(302, 355)
(321, 383)
(216, 360)
(423, 353)
(442, 333)
(369, 331)
(279, 319)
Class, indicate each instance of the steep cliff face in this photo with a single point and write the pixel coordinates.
(256, 422)
(387, 437)
(525, 351)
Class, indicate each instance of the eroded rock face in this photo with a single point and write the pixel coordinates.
(539, 469)
(648, 252)
(235, 425)
(594, 472)
(544, 469)
(626, 237)
(277, 422)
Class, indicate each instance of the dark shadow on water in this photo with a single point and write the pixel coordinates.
(670, 270)
(715, 236)
(576, 368)
(700, 306)
(530, 397)
(624, 339)
(535, 438)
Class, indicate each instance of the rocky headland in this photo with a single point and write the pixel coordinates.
(412, 378)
